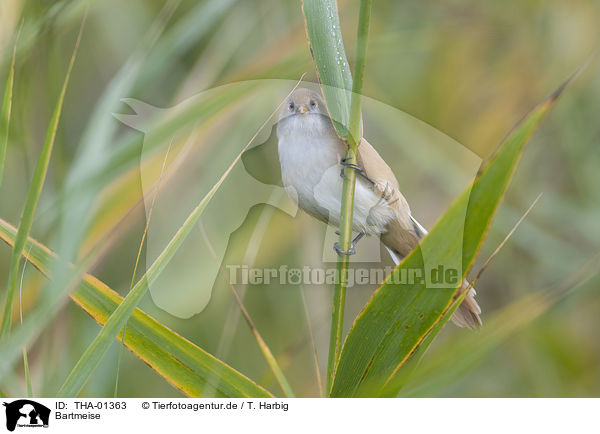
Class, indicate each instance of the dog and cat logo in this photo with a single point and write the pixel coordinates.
(26, 413)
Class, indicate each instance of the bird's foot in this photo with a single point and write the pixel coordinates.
(344, 162)
(386, 192)
(353, 244)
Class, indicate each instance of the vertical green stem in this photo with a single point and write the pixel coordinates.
(7, 107)
(35, 190)
(354, 129)
(27, 375)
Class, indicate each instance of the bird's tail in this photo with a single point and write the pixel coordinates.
(467, 314)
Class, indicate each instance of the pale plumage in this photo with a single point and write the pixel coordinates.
(310, 153)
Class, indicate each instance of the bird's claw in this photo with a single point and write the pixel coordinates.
(344, 162)
(352, 249)
(340, 252)
(387, 192)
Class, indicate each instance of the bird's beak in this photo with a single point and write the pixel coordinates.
(302, 109)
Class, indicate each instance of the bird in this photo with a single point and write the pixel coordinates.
(311, 155)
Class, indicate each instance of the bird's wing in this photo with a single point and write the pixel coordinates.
(377, 170)
(404, 233)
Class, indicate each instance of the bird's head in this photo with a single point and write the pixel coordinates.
(305, 111)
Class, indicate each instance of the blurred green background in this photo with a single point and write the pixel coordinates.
(470, 69)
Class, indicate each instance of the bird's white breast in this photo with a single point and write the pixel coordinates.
(310, 154)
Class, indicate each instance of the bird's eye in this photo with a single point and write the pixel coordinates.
(291, 106)
(313, 104)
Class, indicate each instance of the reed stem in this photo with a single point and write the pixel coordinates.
(353, 139)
